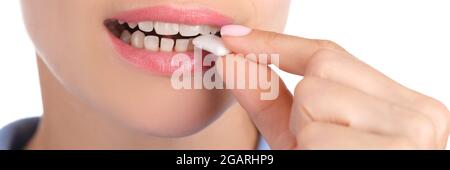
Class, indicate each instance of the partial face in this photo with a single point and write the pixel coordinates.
(123, 70)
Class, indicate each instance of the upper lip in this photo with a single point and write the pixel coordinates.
(172, 14)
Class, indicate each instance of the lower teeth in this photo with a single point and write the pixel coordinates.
(155, 43)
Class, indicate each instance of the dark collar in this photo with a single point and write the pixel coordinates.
(16, 135)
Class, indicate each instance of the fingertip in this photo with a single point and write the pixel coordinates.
(235, 30)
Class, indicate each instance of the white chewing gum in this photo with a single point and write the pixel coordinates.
(212, 44)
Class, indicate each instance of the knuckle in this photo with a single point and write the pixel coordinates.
(437, 110)
(304, 86)
(328, 44)
(430, 104)
(321, 64)
(416, 125)
(423, 130)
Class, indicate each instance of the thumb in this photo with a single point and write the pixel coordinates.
(260, 91)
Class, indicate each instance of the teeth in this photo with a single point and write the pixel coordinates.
(190, 46)
(163, 28)
(167, 44)
(213, 30)
(182, 45)
(146, 26)
(151, 43)
(132, 25)
(205, 30)
(125, 37)
(137, 39)
(190, 30)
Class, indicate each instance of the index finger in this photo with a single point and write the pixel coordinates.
(294, 59)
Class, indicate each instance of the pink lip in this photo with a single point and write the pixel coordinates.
(196, 16)
(160, 62)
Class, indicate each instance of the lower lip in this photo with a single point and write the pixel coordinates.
(158, 63)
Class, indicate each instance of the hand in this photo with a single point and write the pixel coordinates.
(341, 103)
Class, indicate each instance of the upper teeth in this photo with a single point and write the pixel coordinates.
(163, 28)
(190, 30)
(132, 25)
(153, 43)
(146, 26)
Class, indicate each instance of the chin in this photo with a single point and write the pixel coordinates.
(180, 113)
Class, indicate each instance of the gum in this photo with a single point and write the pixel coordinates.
(212, 44)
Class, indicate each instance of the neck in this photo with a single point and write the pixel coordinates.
(70, 123)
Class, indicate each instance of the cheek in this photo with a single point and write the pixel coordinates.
(72, 41)
(270, 15)
(60, 31)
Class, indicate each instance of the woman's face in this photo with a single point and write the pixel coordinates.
(117, 78)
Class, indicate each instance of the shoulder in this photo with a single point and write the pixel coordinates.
(17, 134)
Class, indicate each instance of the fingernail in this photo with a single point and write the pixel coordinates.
(235, 30)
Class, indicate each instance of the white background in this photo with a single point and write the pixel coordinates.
(407, 40)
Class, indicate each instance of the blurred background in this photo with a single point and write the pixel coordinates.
(408, 40)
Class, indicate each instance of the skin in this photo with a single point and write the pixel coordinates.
(94, 101)
(342, 103)
(91, 101)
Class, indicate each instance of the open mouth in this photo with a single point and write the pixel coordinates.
(149, 38)
(159, 36)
